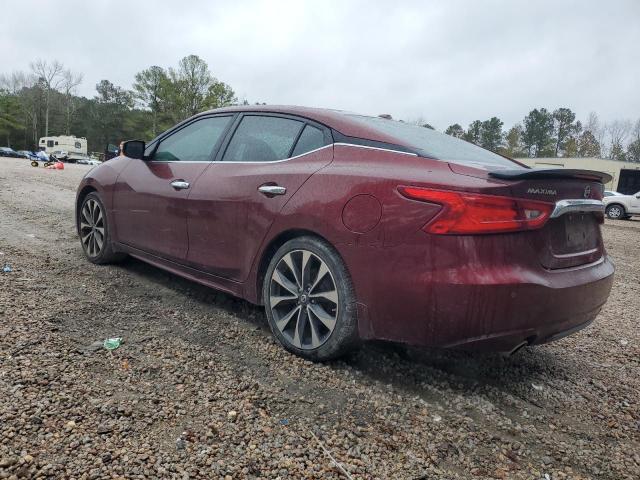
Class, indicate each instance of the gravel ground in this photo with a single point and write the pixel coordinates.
(199, 389)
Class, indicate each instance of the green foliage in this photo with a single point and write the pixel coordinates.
(9, 116)
(491, 134)
(588, 145)
(474, 132)
(513, 141)
(455, 130)
(564, 128)
(160, 98)
(633, 151)
(538, 133)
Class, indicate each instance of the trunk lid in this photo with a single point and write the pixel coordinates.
(572, 237)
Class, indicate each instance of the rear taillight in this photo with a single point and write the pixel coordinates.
(469, 213)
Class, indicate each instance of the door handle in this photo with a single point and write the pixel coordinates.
(271, 190)
(180, 184)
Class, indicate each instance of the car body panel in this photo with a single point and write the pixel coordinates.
(228, 217)
(491, 291)
(150, 214)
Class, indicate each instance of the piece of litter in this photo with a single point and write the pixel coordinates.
(437, 418)
(284, 421)
(112, 343)
(536, 387)
(624, 342)
(7, 268)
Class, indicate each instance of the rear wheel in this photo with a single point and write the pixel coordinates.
(615, 211)
(310, 301)
(95, 236)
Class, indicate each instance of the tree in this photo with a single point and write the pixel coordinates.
(474, 132)
(491, 134)
(220, 95)
(70, 81)
(110, 110)
(564, 127)
(50, 76)
(149, 88)
(633, 150)
(513, 140)
(455, 130)
(588, 145)
(618, 131)
(538, 132)
(9, 115)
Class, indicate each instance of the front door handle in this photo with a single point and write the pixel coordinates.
(271, 190)
(180, 184)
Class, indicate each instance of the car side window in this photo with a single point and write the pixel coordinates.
(262, 139)
(193, 143)
(311, 138)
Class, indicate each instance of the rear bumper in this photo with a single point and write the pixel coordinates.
(495, 309)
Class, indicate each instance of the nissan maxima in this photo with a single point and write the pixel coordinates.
(349, 228)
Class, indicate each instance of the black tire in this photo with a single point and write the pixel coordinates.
(106, 254)
(615, 211)
(344, 336)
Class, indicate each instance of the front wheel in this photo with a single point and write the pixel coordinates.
(615, 212)
(310, 300)
(94, 231)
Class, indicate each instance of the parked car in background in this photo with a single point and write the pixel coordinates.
(28, 155)
(610, 193)
(88, 161)
(59, 155)
(9, 152)
(347, 228)
(42, 156)
(619, 206)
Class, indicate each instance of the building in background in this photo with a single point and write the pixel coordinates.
(626, 175)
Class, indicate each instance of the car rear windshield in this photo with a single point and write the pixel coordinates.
(432, 144)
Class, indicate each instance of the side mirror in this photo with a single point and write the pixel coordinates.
(133, 149)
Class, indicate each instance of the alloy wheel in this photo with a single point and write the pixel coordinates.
(92, 228)
(303, 299)
(615, 212)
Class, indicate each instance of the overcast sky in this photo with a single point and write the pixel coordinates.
(444, 61)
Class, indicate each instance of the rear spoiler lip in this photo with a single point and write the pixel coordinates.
(547, 173)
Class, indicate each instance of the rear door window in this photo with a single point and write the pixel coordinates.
(311, 138)
(262, 139)
(193, 143)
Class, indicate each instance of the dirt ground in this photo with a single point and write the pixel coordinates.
(199, 389)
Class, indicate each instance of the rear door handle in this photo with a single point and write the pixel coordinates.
(180, 184)
(271, 190)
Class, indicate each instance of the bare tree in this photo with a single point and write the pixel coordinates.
(618, 131)
(598, 131)
(70, 81)
(51, 76)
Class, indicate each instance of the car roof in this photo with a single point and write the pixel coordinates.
(339, 120)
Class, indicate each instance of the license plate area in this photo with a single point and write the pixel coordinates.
(571, 240)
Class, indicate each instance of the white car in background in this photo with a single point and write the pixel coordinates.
(618, 206)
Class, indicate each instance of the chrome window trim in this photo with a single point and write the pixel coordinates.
(375, 148)
(255, 163)
(577, 205)
(292, 158)
(278, 161)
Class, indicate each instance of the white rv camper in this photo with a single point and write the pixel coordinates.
(75, 147)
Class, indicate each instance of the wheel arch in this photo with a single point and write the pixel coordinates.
(272, 247)
(82, 194)
(616, 204)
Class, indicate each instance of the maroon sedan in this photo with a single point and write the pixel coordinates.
(348, 228)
